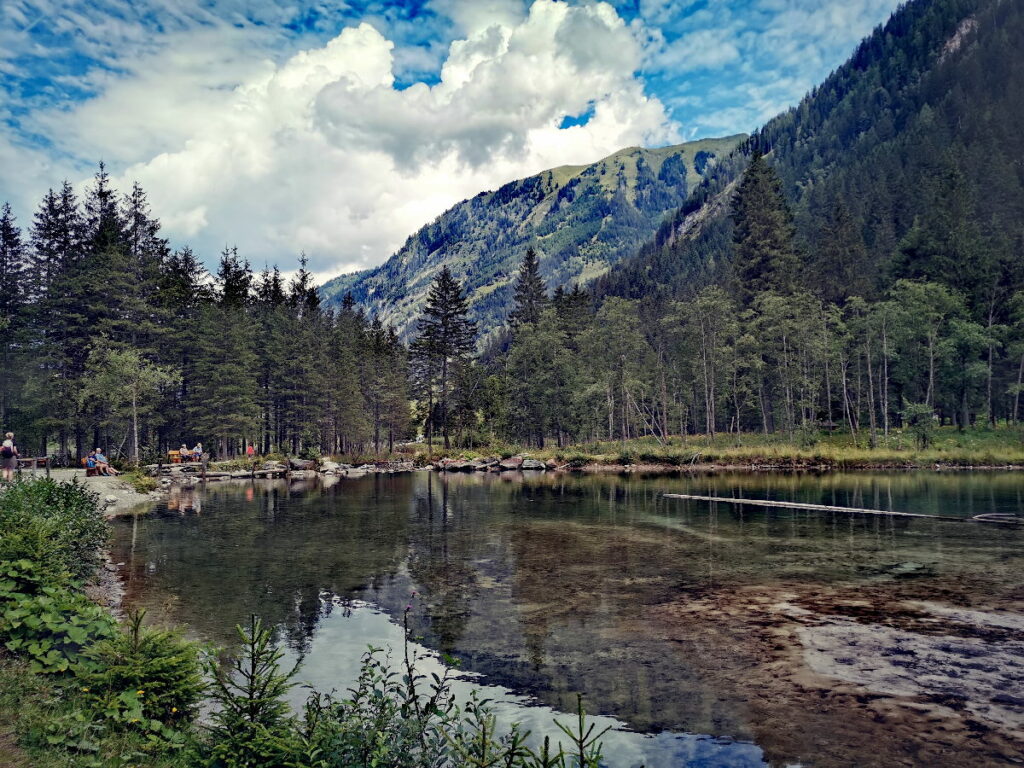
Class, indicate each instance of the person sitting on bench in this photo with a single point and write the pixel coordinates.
(185, 453)
(197, 452)
(90, 463)
(104, 463)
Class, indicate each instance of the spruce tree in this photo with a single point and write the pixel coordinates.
(765, 257)
(13, 295)
(530, 295)
(445, 340)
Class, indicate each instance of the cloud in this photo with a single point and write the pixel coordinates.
(728, 65)
(324, 152)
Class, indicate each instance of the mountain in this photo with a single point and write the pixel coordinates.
(905, 162)
(581, 219)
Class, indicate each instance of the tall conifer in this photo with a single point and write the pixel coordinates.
(445, 340)
(531, 294)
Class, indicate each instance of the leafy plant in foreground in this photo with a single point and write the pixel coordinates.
(152, 672)
(253, 727)
(58, 526)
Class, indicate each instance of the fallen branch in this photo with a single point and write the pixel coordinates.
(985, 518)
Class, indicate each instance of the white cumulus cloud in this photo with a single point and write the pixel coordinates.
(322, 152)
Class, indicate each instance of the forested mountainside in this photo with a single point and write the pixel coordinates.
(580, 219)
(904, 163)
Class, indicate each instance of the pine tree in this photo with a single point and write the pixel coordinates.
(530, 297)
(104, 226)
(234, 278)
(13, 298)
(765, 257)
(445, 340)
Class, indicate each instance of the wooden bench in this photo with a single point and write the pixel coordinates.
(34, 463)
(174, 457)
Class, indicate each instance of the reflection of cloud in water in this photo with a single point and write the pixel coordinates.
(332, 662)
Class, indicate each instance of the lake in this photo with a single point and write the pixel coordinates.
(705, 634)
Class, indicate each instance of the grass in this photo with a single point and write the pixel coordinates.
(979, 447)
(140, 482)
(40, 716)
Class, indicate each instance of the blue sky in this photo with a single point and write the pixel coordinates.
(338, 128)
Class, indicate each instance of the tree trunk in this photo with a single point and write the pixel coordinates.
(135, 429)
(1016, 396)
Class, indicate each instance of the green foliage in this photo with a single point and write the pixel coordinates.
(55, 525)
(140, 482)
(920, 419)
(57, 727)
(154, 673)
(51, 625)
(252, 726)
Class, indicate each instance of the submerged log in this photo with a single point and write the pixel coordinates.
(987, 518)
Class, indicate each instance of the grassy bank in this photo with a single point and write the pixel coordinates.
(947, 447)
(80, 690)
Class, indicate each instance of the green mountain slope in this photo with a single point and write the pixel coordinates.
(905, 162)
(580, 219)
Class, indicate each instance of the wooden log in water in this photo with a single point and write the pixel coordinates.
(1004, 520)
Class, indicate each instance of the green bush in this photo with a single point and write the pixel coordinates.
(50, 625)
(162, 671)
(140, 482)
(252, 727)
(57, 526)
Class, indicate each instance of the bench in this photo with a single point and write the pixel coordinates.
(174, 457)
(90, 471)
(34, 463)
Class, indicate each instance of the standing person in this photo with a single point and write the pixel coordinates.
(250, 450)
(8, 457)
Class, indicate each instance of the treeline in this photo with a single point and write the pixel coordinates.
(112, 339)
(759, 351)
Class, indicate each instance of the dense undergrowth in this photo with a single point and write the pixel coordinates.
(78, 689)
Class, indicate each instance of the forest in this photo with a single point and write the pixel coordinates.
(114, 339)
(854, 266)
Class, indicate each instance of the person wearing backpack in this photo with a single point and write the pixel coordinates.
(8, 457)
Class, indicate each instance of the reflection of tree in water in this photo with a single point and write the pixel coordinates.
(272, 555)
(441, 559)
(553, 584)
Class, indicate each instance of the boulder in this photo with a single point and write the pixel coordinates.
(552, 464)
(513, 463)
(273, 466)
(330, 467)
(533, 464)
(301, 464)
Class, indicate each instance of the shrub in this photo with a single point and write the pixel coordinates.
(920, 418)
(253, 726)
(160, 669)
(140, 482)
(57, 526)
(50, 625)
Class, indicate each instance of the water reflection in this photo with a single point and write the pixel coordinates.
(555, 584)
